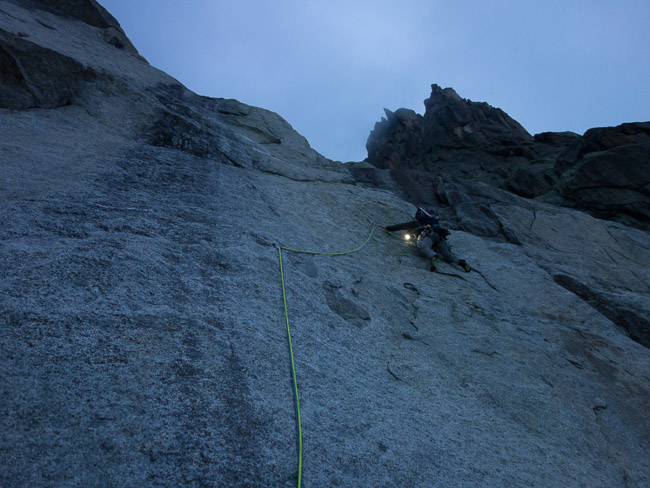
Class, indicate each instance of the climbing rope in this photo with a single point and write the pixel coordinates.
(286, 315)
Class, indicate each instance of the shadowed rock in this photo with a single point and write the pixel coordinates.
(34, 77)
(633, 320)
(607, 173)
(92, 13)
(457, 137)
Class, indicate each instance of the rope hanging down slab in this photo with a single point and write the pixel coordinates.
(286, 316)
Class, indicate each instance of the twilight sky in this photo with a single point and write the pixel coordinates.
(329, 67)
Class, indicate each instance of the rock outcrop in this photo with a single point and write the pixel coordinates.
(607, 172)
(143, 338)
(43, 69)
(457, 137)
(92, 13)
(604, 172)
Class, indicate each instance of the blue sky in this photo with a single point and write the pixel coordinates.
(330, 67)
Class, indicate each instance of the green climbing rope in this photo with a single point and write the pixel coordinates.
(293, 373)
(286, 316)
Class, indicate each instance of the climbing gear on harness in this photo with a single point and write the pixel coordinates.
(434, 263)
(422, 232)
(464, 265)
(286, 315)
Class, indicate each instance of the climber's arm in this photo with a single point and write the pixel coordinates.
(404, 226)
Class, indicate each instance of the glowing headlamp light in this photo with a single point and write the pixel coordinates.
(408, 237)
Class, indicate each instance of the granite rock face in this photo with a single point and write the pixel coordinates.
(143, 339)
(36, 77)
(39, 69)
(91, 13)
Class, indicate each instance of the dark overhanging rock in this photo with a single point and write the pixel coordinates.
(469, 140)
(88, 11)
(601, 139)
(36, 77)
(14, 91)
(559, 139)
(531, 181)
(607, 173)
(451, 131)
(450, 121)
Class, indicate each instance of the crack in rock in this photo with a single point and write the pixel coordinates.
(397, 378)
(635, 325)
(489, 354)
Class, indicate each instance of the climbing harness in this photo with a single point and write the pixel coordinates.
(286, 315)
(423, 231)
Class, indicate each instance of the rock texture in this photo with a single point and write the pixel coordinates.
(142, 330)
(607, 172)
(44, 68)
(455, 136)
(604, 172)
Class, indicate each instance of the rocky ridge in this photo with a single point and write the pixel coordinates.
(143, 334)
(605, 172)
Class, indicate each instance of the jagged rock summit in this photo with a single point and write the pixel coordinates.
(450, 123)
(451, 135)
(605, 172)
(143, 339)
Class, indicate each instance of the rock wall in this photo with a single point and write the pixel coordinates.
(142, 332)
(607, 172)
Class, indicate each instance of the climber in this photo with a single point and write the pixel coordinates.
(431, 238)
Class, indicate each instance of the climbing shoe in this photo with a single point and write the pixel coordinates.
(464, 265)
(434, 263)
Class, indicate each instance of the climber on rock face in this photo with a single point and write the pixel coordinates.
(431, 238)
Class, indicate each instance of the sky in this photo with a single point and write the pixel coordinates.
(330, 67)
